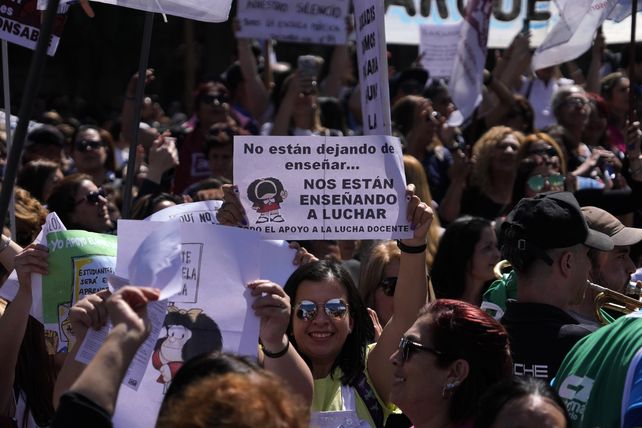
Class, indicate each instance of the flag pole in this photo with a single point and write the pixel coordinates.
(634, 12)
(7, 127)
(32, 85)
(138, 103)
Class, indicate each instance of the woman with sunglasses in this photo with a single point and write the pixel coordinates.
(446, 361)
(464, 263)
(331, 329)
(80, 204)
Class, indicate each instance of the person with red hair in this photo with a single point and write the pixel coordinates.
(445, 363)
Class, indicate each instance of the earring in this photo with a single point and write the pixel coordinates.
(447, 390)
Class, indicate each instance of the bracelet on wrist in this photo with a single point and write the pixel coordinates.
(281, 353)
(411, 249)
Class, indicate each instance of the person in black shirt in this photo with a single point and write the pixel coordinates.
(546, 240)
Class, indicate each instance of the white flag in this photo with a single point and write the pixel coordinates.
(466, 79)
(573, 34)
(199, 10)
(622, 10)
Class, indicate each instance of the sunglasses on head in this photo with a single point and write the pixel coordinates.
(307, 310)
(216, 100)
(407, 347)
(93, 197)
(86, 145)
(537, 182)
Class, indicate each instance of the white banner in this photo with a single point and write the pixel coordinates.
(322, 187)
(318, 21)
(438, 47)
(373, 67)
(20, 24)
(199, 10)
(465, 83)
(574, 32)
(193, 212)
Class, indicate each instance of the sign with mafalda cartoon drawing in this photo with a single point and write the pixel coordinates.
(322, 187)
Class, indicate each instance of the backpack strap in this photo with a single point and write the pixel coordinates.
(368, 396)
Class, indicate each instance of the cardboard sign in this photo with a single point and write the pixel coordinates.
(318, 21)
(322, 187)
(373, 67)
(20, 24)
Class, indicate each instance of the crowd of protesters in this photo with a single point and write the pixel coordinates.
(426, 331)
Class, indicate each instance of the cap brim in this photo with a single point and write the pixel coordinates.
(627, 236)
(599, 241)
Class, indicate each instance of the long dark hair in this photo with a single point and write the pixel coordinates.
(62, 200)
(454, 256)
(351, 359)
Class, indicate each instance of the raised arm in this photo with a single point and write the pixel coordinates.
(13, 323)
(127, 114)
(410, 295)
(272, 305)
(259, 95)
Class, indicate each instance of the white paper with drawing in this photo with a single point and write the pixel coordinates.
(322, 187)
(212, 312)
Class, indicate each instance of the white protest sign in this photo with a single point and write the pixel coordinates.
(322, 187)
(193, 212)
(221, 318)
(373, 67)
(317, 21)
(199, 10)
(438, 47)
(20, 24)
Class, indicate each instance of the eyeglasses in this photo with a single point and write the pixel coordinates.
(216, 99)
(93, 197)
(575, 102)
(307, 310)
(389, 284)
(407, 347)
(548, 151)
(86, 145)
(537, 182)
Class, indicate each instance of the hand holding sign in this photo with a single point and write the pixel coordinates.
(89, 312)
(33, 259)
(128, 307)
(420, 217)
(231, 212)
(272, 305)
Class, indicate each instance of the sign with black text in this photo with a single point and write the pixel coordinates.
(322, 187)
(373, 67)
(318, 21)
(20, 24)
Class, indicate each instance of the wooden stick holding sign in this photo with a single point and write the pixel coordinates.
(634, 13)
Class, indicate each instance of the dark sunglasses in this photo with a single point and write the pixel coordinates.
(216, 100)
(307, 310)
(86, 145)
(537, 182)
(549, 151)
(215, 132)
(93, 197)
(407, 347)
(389, 284)
(573, 101)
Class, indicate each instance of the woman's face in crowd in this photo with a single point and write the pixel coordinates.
(90, 152)
(532, 411)
(321, 338)
(213, 107)
(619, 99)
(574, 110)
(418, 382)
(504, 156)
(485, 256)
(383, 303)
(544, 178)
(90, 216)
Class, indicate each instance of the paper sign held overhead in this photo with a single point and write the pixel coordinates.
(20, 24)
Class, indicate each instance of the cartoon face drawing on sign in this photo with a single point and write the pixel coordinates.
(185, 334)
(266, 195)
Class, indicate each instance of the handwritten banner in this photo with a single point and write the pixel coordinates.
(322, 187)
(373, 67)
(320, 21)
(20, 24)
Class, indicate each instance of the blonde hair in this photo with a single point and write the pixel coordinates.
(416, 174)
(30, 216)
(483, 153)
(372, 270)
(537, 136)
